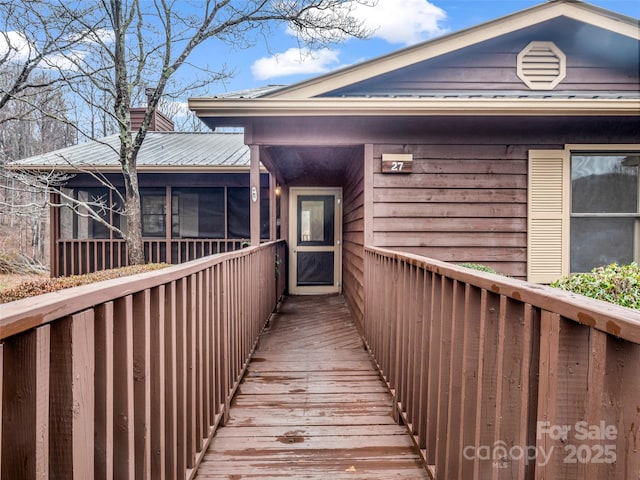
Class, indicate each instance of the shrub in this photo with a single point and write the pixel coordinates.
(614, 283)
(31, 288)
(479, 267)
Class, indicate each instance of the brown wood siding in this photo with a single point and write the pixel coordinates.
(353, 238)
(462, 203)
(491, 65)
(465, 200)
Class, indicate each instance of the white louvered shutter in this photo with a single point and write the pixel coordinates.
(548, 216)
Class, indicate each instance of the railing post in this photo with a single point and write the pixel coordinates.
(123, 437)
(142, 382)
(224, 320)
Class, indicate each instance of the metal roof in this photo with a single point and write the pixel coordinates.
(251, 92)
(592, 95)
(160, 150)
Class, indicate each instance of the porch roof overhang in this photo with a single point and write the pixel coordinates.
(218, 111)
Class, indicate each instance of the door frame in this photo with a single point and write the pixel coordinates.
(294, 289)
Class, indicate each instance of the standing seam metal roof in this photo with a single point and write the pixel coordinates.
(159, 149)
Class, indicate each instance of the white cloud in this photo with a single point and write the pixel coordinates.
(14, 46)
(295, 61)
(402, 21)
(395, 21)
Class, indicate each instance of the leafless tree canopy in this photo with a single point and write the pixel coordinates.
(112, 54)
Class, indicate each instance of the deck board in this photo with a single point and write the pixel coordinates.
(311, 406)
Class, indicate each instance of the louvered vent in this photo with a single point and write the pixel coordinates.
(541, 65)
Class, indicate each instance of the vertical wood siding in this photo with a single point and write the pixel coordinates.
(353, 238)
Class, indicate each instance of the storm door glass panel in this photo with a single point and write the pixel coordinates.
(604, 210)
(316, 220)
(315, 229)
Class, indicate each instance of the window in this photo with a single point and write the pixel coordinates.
(583, 209)
(82, 225)
(153, 207)
(604, 210)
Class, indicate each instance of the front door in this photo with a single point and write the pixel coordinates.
(315, 251)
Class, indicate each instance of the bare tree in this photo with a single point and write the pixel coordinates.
(27, 131)
(34, 35)
(33, 112)
(112, 53)
(145, 44)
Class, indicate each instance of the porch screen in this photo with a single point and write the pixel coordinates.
(239, 216)
(198, 213)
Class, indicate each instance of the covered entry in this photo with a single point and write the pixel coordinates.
(321, 208)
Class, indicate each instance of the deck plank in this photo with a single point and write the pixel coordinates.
(311, 406)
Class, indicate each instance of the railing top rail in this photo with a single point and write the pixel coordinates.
(619, 321)
(22, 315)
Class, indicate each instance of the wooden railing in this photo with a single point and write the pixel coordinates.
(130, 378)
(501, 379)
(76, 257)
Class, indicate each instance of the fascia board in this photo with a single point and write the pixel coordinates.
(343, 107)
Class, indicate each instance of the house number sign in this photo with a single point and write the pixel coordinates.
(397, 162)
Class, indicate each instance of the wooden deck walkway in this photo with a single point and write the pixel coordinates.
(311, 406)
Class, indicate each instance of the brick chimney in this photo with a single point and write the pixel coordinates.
(159, 122)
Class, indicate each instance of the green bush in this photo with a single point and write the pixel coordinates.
(31, 288)
(614, 283)
(479, 267)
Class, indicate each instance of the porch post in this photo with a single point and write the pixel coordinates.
(254, 192)
(272, 208)
(54, 235)
(368, 194)
(168, 234)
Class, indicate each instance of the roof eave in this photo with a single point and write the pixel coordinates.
(141, 168)
(229, 110)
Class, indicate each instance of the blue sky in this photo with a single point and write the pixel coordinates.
(398, 24)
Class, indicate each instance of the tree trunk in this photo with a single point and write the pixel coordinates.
(133, 238)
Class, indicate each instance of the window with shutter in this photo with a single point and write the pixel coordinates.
(583, 209)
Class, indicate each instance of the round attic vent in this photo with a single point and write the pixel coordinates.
(541, 65)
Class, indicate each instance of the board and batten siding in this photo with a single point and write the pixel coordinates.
(461, 203)
(353, 238)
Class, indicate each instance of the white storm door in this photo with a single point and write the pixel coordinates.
(315, 247)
